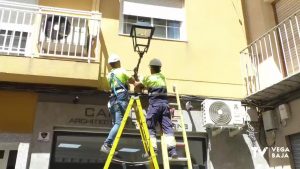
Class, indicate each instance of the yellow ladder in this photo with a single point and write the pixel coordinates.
(187, 158)
(142, 125)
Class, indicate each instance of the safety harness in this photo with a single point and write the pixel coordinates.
(113, 76)
(114, 99)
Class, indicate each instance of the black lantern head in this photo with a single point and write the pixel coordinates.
(141, 34)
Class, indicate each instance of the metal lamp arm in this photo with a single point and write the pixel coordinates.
(136, 69)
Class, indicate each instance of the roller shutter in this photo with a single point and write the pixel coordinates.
(166, 9)
(295, 144)
(286, 11)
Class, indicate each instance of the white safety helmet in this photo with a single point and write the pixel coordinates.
(113, 58)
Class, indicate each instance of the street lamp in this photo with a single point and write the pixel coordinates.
(141, 34)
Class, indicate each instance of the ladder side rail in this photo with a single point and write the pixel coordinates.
(164, 151)
(147, 135)
(187, 150)
(142, 133)
(118, 136)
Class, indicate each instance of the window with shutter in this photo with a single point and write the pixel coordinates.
(166, 16)
(287, 13)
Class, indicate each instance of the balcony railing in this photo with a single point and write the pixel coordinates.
(273, 58)
(40, 31)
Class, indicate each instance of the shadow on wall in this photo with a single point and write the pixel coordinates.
(110, 9)
(230, 152)
(103, 64)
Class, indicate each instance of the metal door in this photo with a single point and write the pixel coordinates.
(295, 145)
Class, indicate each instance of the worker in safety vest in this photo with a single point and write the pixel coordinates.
(118, 80)
(158, 110)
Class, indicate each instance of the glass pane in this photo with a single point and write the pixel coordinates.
(2, 36)
(144, 19)
(144, 33)
(130, 19)
(8, 38)
(173, 23)
(1, 154)
(161, 22)
(173, 33)
(12, 157)
(23, 41)
(160, 31)
(126, 28)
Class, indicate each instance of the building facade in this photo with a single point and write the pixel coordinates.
(53, 63)
(270, 65)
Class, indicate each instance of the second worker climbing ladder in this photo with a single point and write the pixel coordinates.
(144, 132)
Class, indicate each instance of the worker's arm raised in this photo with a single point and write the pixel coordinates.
(131, 80)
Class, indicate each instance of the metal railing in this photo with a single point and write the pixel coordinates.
(40, 31)
(272, 57)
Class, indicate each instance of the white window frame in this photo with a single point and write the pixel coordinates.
(183, 34)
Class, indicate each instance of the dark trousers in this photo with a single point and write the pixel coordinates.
(159, 112)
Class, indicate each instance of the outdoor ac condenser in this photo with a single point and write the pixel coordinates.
(222, 113)
(64, 34)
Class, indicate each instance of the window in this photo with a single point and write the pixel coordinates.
(85, 151)
(14, 40)
(166, 16)
(2, 154)
(163, 28)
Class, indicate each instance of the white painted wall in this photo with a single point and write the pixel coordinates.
(292, 127)
(39, 161)
(21, 161)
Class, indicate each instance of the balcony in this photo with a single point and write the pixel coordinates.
(271, 64)
(39, 31)
(64, 41)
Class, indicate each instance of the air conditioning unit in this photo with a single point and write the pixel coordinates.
(64, 35)
(222, 113)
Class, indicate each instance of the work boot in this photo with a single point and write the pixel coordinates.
(105, 148)
(172, 152)
(146, 155)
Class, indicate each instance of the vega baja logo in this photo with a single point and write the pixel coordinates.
(276, 152)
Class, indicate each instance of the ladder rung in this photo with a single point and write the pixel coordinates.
(178, 159)
(180, 144)
(173, 104)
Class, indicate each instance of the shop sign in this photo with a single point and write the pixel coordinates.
(92, 116)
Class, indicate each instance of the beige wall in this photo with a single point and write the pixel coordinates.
(207, 64)
(45, 71)
(259, 17)
(17, 111)
(71, 4)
